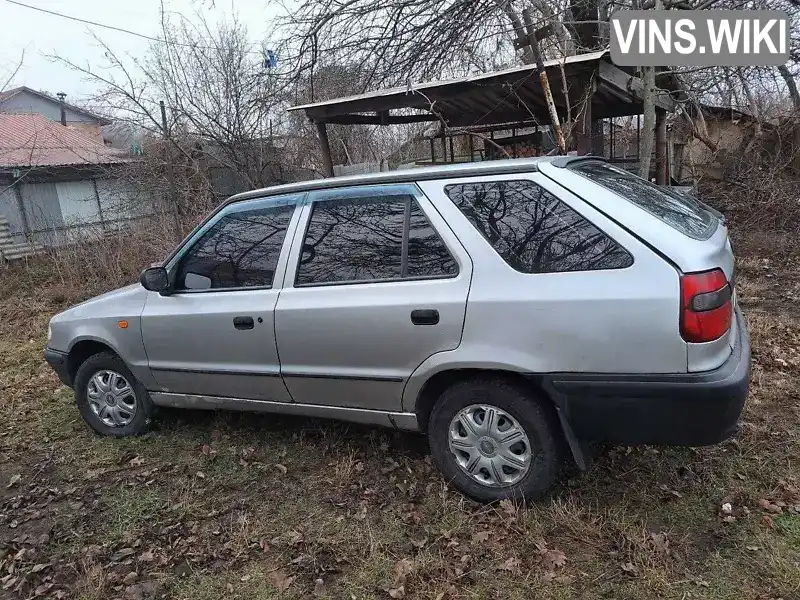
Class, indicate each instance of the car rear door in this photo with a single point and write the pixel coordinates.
(214, 334)
(375, 284)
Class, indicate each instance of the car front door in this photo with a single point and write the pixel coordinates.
(214, 334)
(376, 283)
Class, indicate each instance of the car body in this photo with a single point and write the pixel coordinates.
(606, 301)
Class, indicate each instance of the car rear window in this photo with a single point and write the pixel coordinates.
(680, 212)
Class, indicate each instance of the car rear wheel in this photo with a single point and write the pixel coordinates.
(110, 399)
(494, 441)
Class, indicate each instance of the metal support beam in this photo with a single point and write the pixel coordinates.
(384, 118)
(619, 82)
(325, 146)
(662, 177)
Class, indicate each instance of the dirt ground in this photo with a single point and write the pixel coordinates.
(241, 506)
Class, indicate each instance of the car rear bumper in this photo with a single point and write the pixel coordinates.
(58, 361)
(681, 409)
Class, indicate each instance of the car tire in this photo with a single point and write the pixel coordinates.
(114, 406)
(514, 409)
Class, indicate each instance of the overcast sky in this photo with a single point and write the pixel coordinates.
(39, 34)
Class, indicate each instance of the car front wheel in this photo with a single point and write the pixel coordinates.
(110, 399)
(494, 441)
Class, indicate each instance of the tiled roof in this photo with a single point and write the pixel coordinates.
(31, 140)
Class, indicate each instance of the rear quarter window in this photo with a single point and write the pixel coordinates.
(680, 212)
(534, 231)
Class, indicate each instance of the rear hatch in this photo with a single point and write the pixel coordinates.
(688, 233)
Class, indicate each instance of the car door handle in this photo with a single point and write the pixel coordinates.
(243, 322)
(425, 316)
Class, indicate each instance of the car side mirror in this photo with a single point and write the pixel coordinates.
(155, 279)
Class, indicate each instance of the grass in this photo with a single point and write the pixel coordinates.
(259, 506)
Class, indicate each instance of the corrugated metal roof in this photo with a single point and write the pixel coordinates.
(421, 87)
(31, 140)
(513, 95)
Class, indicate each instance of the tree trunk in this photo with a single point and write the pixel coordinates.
(795, 96)
(647, 140)
(519, 29)
(584, 28)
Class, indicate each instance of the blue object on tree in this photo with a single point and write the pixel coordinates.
(270, 60)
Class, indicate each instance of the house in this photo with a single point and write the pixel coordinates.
(60, 182)
(24, 100)
(729, 128)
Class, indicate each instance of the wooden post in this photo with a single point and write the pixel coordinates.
(548, 94)
(173, 195)
(327, 161)
(662, 177)
(598, 138)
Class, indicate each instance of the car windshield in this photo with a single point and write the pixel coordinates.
(679, 211)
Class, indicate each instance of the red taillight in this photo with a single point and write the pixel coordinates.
(706, 306)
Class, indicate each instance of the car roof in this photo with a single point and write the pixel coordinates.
(493, 167)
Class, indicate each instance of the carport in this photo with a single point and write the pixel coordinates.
(587, 87)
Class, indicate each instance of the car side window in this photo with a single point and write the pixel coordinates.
(533, 231)
(371, 238)
(240, 250)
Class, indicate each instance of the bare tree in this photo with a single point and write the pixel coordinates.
(12, 71)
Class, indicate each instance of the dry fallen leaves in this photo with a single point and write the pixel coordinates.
(549, 558)
(629, 568)
(146, 556)
(280, 581)
(399, 592)
(511, 564)
(295, 537)
(769, 506)
(480, 536)
(319, 588)
(402, 568)
(660, 542)
(553, 559)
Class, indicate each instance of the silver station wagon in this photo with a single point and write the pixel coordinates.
(512, 310)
